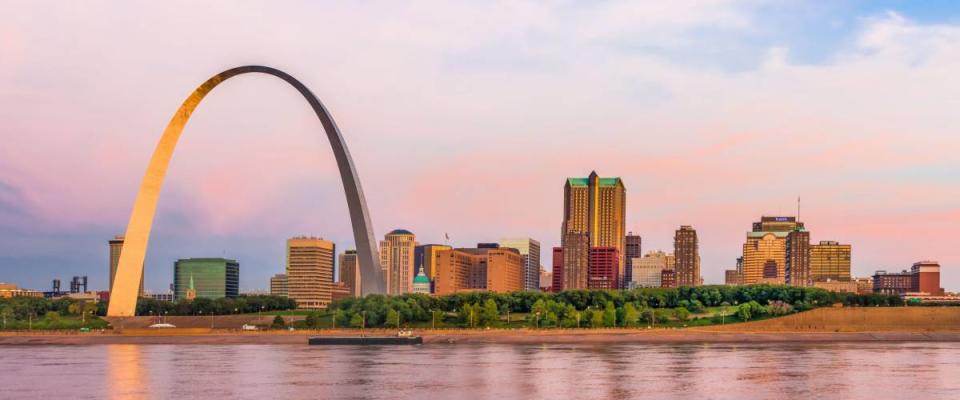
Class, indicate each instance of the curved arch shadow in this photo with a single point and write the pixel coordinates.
(123, 294)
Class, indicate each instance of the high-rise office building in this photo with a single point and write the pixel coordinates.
(765, 251)
(209, 278)
(530, 251)
(557, 270)
(116, 245)
(278, 285)
(830, 260)
(486, 267)
(350, 272)
(426, 256)
(632, 249)
(604, 268)
(797, 267)
(576, 261)
(594, 207)
(396, 259)
(310, 271)
(687, 252)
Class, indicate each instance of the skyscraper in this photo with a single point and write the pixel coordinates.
(310, 271)
(396, 259)
(557, 270)
(350, 272)
(278, 285)
(765, 251)
(594, 207)
(797, 270)
(687, 252)
(116, 245)
(604, 268)
(209, 278)
(632, 249)
(576, 261)
(830, 260)
(530, 251)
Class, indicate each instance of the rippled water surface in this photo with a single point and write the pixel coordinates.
(688, 371)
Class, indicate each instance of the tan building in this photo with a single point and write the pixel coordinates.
(350, 272)
(339, 290)
(396, 259)
(546, 279)
(9, 290)
(278, 285)
(764, 257)
(116, 244)
(864, 285)
(765, 251)
(837, 286)
(596, 207)
(483, 268)
(687, 252)
(426, 256)
(647, 270)
(830, 260)
(576, 261)
(731, 277)
(310, 271)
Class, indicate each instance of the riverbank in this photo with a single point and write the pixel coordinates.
(600, 336)
(913, 324)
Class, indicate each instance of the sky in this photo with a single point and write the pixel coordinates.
(466, 117)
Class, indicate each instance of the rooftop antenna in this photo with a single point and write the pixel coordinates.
(798, 208)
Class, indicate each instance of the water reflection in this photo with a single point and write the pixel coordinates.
(501, 372)
(125, 378)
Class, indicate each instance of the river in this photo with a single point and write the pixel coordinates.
(873, 370)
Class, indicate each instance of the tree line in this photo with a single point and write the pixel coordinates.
(591, 308)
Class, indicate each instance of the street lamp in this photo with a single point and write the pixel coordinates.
(433, 316)
(538, 319)
(363, 322)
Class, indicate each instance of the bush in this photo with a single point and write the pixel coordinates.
(278, 323)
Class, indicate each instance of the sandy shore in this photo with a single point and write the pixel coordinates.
(487, 337)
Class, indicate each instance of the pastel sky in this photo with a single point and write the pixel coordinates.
(465, 117)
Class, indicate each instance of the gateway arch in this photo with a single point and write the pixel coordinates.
(123, 294)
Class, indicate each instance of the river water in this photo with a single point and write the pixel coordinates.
(620, 371)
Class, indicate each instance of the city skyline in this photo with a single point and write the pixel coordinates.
(877, 175)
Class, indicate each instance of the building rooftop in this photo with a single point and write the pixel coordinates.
(400, 232)
(586, 181)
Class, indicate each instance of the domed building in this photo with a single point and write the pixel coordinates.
(421, 284)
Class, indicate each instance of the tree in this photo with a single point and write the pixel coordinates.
(490, 313)
(630, 315)
(743, 312)
(52, 316)
(650, 316)
(356, 320)
(278, 323)
(340, 318)
(393, 318)
(6, 312)
(681, 313)
(313, 320)
(609, 315)
(596, 319)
